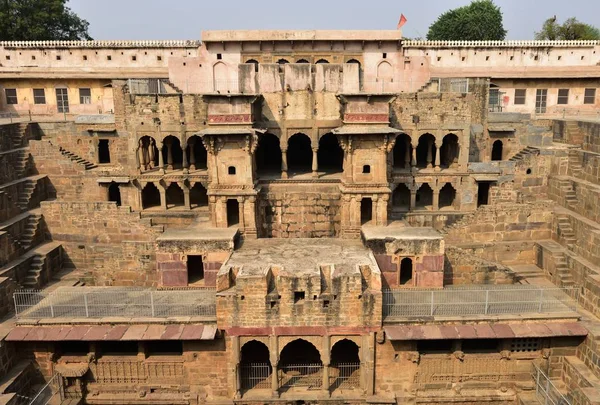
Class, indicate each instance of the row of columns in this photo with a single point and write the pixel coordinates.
(284, 163)
(412, 157)
(146, 155)
(163, 193)
(246, 213)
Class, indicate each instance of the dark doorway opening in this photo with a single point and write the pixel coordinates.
(483, 193)
(345, 363)
(426, 151)
(497, 150)
(268, 155)
(103, 151)
(174, 160)
(233, 212)
(114, 193)
(402, 152)
(150, 196)
(406, 271)
(447, 196)
(299, 154)
(196, 153)
(330, 155)
(174, 196)
(449, 151)
(424, 196)
(401, 197)
(195, 268)
(255, 366)
(366, 210)
(198, 196)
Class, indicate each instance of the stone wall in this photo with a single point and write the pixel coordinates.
(462, 267)
(112, 244)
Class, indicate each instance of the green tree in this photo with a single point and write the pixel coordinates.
(36, 20)
(479, 21)
(571, 29)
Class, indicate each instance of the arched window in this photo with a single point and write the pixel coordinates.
(406, 271)
(196, 153)
(449, 151)
(426, 151)
(172, 152)
(330, 155)
(447, 196)
(220, 77)
(255, 366)
(198, 196)
(174, 196)
(302, 61)
(345, 365)
(254, 62)
(268, 155)
(425, 197)
(147, 153)
(402, 152)
(283, 61)
(385, 71)
(321, 62)
(401, 197)
(497, 150)
(300, 365)
(150, 196)
(299, 154)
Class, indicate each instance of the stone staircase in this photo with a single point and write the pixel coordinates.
(529, 150)
(25, 195)
(562, 271)
(565, 232)
(77, 159)
(22, 163)
(429, 85)
(17, 137)
(570, 195)
(575, 164)
(35, 272)
(574, 133)
(31, 229)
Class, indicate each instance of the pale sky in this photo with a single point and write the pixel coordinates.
(185, 19)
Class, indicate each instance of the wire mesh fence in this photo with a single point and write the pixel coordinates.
(344, 376)
(493, 300)
(545, 391)
(99, 302)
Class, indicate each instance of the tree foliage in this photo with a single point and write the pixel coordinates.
(479, 21)
(571, 29)
(36, 20)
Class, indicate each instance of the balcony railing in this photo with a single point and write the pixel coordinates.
(100, 302)
(545, 391)
(478, 300)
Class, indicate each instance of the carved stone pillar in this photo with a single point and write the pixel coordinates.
(326, 359)
(437, 157)
(235, 367)
(315, 163)
(413, 200)
(429, 152)
(185, 161)
(161, 163)
(242, 223)
(151, 157)
(274, 358)
(436, 198)
(413, 162)
(139, 156)
(375, 210)
(284, 166)
(186, 195)
(191, 144)
(163, 195)
(383, 210)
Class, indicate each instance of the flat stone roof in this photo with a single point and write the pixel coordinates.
(300, 35)
(300, 257)
(399, 232)
(199, 233)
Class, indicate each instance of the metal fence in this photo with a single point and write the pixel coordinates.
(148, 86)
(51, 392)
(545, 391)
(255, 375)
(99, 302)
(300, 375)
(490, 300)
(344, 376)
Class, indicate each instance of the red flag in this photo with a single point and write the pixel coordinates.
(402, 21)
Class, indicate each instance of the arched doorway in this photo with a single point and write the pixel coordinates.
(255, 366)
(426, 151)
(268, 155)
(449, 151)
(299, 154)
(283, 61)
(345, 365)
(255, 63)
(406, 271)
(114, 193)
(150, 196)
(172, 152)
(300, 365)
(321, 62)
(174, 196)
(424, 197)
(147, 153)
(198, 196)
(402, 152)
(330, 155)
(447, 196)
(302, 61)
(497, 150)
(401, 197)
(196, 153)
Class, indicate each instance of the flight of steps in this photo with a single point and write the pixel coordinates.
(20, 166)
(575, 135)
(33, 222)
(77, 159)
(17, 137)
(565, 232)
(34, 273)
(25, 195)
(575, 165)
(562, 271)
(433, 81)
(529, 150)
(570, 195)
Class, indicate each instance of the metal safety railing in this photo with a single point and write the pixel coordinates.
(300, 375)
(479, 300)
(99, 302)
(344, 375)
(148, 86)
(545, 390)
(51, 392)
(255, 375)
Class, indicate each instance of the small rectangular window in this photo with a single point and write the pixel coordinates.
(85, 96)
(480, 345)
(134, 58)
(11, 96)
(563, 96)
(520, 96)
(589, 96)
(299, 296)
(39, 96)
(159, 58)
(219, 56)
(84, 57)
(108, 57)
(58, 57)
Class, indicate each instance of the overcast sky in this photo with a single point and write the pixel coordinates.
(185, 19)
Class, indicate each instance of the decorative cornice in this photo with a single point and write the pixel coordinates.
(101, 44)
(497, 44)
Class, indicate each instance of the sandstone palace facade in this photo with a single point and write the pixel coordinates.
(293, 217)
